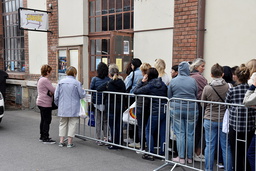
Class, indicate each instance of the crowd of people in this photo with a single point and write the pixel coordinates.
(196, 124)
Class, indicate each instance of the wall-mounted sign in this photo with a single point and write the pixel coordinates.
(126, 47)
(32, 19)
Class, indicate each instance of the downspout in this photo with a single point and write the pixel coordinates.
(201, 29)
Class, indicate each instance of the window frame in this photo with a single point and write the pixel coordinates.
(13, 37)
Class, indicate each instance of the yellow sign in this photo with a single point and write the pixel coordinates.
(105, 60)
(34, 17)
(119, 63)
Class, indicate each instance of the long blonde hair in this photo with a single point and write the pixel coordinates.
(160, 66)
(251, 65)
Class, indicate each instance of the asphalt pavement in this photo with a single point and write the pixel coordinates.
(20, 150)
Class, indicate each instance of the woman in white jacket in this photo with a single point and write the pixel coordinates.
(67, 97)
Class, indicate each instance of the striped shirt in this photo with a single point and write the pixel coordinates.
(237, 116)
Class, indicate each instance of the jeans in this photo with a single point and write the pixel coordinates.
(46, 119)
(115, 126)
(213, 132)
(142, 119)
(101, 125)
(251, 153)
(152, 128)
(183, 124)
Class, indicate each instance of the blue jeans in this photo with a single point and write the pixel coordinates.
(184, 125)
(152, 128)
(251, 153)
(212, 131)
(115, 128)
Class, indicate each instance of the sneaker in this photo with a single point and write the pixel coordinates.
(49, 141)
(128, 140)
(140, 152)
(134, 145)
(220, 166)
(99, 143)
(199, 158)
(70, 145)
(148, 157)
(178, 160)
(62, 144)
(40, 139)
(189, 161)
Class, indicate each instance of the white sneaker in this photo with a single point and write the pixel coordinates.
(128, 140)
(199, 158)
(136, 145)
(220, 166)
(140, 152)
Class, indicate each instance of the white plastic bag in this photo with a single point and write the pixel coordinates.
(83, 108)
(225, 123)
(129, 115)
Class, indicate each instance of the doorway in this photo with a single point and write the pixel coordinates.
(111, 47)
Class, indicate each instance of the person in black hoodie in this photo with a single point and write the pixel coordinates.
(113, 107)
(155, 87)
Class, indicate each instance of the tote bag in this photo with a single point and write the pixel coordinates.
(129, 115)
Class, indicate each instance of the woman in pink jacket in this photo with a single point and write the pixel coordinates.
(44, 100)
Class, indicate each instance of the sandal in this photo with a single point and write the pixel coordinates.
(148, 157)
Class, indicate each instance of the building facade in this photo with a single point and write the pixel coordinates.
(86, 32)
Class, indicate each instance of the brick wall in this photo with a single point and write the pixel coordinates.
(185, 30)
(53, 38)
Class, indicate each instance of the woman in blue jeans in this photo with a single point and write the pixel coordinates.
(184, 113)
(155, 87)
(216, 91)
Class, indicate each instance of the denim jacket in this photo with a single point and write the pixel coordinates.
(128, 80)
(67, 97)
(95, 83)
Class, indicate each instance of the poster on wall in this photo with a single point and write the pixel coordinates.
(126, 47)
(119, 64)
(34, 20)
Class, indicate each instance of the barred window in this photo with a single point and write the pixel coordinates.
(14, 58)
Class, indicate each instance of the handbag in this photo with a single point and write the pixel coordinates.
(54, 106)
(225, 123)
(129, 116)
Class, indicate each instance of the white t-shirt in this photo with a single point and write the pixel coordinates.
(166, 79)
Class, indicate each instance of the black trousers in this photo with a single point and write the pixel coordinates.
(239, 147)
(46, 119)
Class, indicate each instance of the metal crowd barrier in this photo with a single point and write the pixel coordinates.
(173, 115)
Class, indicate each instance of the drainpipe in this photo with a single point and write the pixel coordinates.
(201, 29)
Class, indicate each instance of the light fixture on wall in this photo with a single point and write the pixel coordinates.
(50, 6)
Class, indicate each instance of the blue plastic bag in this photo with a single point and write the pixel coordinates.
(91, 121)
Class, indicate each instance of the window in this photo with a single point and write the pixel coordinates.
(69, 56)
(108, 15)
(14, 58)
